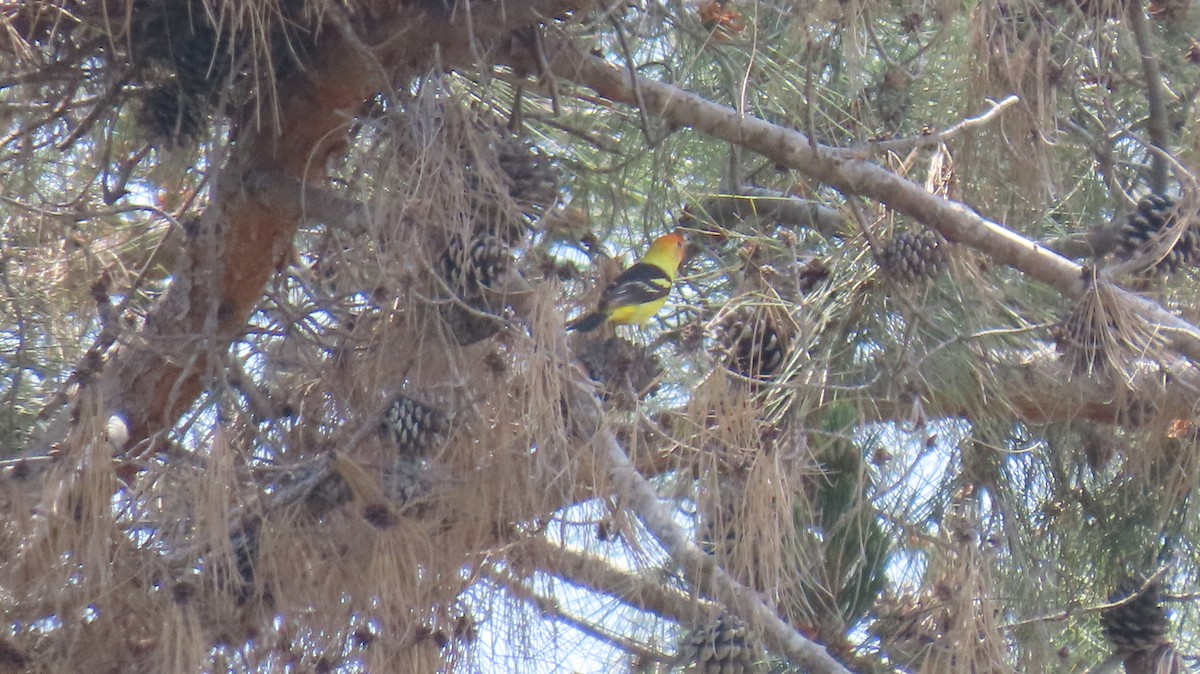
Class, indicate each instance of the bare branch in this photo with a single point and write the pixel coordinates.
(935, 139)
(1156, 123)
(596, 575)
(758, 202)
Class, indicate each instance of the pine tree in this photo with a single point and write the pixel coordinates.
(283, 288)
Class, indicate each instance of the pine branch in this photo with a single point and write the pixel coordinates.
(850, 173)
(703, 572)
(700, 569)
(932, 140)
(1156, 123)
(598, 576)
(551, 607)
(249, 224)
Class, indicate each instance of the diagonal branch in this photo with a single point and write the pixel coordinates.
(932, 140)
(597, 575)
(1156, 122)
(704, 573)
(701, 571)
(850, 173)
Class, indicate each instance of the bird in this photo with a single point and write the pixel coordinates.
(640, 291)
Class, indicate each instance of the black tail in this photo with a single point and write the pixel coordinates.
(587, 323)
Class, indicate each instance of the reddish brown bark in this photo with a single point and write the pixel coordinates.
(228, 261)
(220, 278)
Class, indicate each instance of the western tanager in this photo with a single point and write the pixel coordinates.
(640, 291)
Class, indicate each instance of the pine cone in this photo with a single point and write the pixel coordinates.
(812, 272)
(757, 349)
(199, 65)
(469, 324)
(910, 257)
(1141, 624)
(408, 480)
(325, 495)
(531, 175)
(624, 370)
(1145, 226)
(893, 96)
(468, 271)
(415, 428)
(724, 647)
(171, 116)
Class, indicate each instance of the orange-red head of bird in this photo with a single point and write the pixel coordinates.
(668, 251)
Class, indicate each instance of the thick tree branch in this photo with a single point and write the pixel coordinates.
(852, 174)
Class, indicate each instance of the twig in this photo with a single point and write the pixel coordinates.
(868, 24)
(598, 576)
(1101, 145)
(1156, 124)
(550, 607)
(601, 143)
(901, 145)
(810, 123)
(103, 105)
(1099, 608)
(641, 107)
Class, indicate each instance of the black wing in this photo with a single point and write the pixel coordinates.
(639, 284)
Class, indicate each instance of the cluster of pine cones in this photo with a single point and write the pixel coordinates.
(470, 265)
